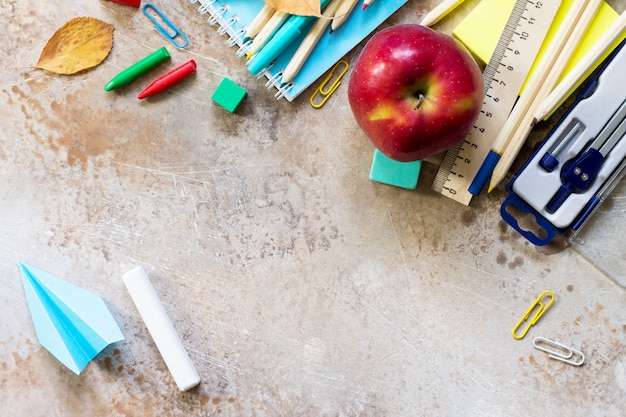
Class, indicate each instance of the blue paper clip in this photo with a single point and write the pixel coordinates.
(173, 31)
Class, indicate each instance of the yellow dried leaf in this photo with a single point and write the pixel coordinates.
(297, 7)
(79, 44)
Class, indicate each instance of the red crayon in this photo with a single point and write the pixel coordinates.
(171, 78)
(133, 3)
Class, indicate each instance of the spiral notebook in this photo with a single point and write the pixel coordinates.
(232, 17)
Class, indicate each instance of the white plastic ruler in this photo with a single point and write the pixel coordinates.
(504, 77)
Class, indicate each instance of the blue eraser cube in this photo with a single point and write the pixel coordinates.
(399, 174)
(229, 95)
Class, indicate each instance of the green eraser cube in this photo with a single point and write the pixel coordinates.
(399, 174)
(228, 95)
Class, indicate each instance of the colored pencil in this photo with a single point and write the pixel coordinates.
(265, 34)
(310, 40)
(342, 13)
(260, 20)
(583, 68)
(439, 12)
(572, 30)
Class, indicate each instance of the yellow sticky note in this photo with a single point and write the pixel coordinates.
(481, 29)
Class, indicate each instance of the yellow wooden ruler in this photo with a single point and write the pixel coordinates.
(504, 77)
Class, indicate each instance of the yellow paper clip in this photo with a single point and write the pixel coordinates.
(540, 310)
(326, 93)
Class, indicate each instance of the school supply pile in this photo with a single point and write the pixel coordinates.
(563, 185)
(234, 17)
(577, 166)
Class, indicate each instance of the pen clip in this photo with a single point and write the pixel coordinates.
(326, 93)
(550, 160)
(173, 31)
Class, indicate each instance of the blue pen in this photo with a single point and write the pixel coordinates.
(484, 172)
(288, 32)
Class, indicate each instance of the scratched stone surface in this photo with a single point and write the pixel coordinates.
(298, 286)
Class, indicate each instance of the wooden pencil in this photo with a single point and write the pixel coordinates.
(549, 71)
(342, 13)
(265, 34)
(439, 12)
(583, 68)
(310, 40)
(260, 20)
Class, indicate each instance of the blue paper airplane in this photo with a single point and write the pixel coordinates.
(71, 323)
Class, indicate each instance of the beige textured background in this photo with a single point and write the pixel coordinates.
(299, 287)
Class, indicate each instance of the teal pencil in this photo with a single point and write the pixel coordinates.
(267, 31)
(259, 21)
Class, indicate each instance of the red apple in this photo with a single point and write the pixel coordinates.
(415, 92)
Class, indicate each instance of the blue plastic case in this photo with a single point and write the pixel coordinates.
(566, 179)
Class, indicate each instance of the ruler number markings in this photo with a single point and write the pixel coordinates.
(521, 35)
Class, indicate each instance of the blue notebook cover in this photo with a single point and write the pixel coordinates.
(233, 16)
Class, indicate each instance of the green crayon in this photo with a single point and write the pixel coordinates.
(136, 70)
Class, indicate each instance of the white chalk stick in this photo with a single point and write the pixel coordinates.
(161, 329)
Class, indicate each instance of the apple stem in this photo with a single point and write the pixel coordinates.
(420, 100)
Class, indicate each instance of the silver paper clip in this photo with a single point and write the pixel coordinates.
(559, 351)
(170, 32)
